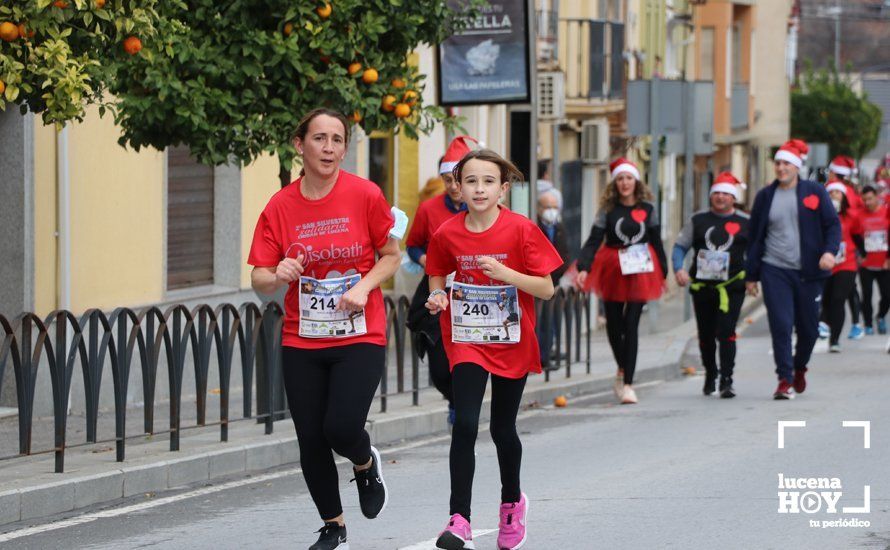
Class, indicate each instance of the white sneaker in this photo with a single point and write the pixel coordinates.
(618, 387)
(628, 395)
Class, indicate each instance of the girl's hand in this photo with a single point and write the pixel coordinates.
(355, 299)
(494, 269)
(437, 303)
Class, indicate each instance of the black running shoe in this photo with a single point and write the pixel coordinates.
(726, 391)
(372, 495)
(333, 535)
(710, 384)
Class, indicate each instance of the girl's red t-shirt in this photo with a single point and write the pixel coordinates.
(850, 225)
(430, 215)
(875, 222)
(519, 244)
(338, 235)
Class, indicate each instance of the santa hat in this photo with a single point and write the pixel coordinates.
(789, 153)
(458, 148)
(801, 146)
(836, 185)
(842, 166)
(620, 165)
(727, 183)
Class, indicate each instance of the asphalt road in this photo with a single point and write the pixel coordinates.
(679, 470)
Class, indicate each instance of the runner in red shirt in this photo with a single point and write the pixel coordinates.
(843, 276)
(502, 262)
(319, 236)
(841, 169)
(874, 269)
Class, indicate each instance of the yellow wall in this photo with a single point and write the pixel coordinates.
(259, 181)
(117, 246)
(408, 174)
(45, 268)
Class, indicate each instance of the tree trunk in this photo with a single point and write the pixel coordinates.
(284, 176)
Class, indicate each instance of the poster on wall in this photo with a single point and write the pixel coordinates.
(487, 62)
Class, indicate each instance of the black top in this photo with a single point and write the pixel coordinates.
(710, 231)
(621, 227)
(561, 244)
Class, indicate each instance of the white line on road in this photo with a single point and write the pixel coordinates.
(431, 544)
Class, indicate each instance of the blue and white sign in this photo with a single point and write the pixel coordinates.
(487, 62)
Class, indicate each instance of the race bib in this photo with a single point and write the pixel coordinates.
(319, 316)
(635, 259)
(485, 314)
(876, 241)
(449, 279)
(712, 265)
(841, 253)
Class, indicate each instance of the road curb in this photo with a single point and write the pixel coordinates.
(72, 491)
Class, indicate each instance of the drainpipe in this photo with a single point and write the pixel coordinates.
(63, 224)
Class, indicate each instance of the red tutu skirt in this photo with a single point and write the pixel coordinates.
(607, 281)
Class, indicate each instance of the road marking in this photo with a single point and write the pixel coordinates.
(431, 544)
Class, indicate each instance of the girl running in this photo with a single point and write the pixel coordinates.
(629, 270)
(497, 257)
(321, 237)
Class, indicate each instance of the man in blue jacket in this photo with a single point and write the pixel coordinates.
(794, 234)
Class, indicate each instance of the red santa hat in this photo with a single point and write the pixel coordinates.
(457, 149)
(836, 185)
(790, 153)
(801, 146)
(727, 183)
(842, 166)
(620, 165)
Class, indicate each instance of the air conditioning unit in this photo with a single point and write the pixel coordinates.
(595, 142)
(551, 96)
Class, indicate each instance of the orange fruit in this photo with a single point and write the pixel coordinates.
(560, 401)
(389, 103)
(356, 117)
(9, 31)
(288, 29)
(100, 4)
(325, 11)
(410, 97)
(24, 32)
(61, 4)
(354, 67)
(370, 76)
(2, 86)
(402, 110)
(132, 45)
(398, 83)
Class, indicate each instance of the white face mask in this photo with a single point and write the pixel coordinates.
(550, 216)
(837, 205)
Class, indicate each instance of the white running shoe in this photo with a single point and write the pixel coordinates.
(629, 396)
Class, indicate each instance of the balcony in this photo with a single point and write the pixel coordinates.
(739, 106)
(591, 52)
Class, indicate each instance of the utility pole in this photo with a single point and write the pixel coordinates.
(837, 36)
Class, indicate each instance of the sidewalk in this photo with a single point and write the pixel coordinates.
(29, 489)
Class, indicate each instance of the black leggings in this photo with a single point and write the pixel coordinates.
(440, 370)
(329, 392)
(715, 326)
(469, 380)
(868, 277)
(837, 291)
(855, 303)
(622, 327)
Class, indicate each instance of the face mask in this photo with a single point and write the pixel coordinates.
(837, 205)
(550, 216)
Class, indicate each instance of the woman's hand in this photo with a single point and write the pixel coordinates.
(354, 299)
(581, 279)
(682, 277)
(289, 270)
(437, 303)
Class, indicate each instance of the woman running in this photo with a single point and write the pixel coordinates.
(323, 233)
(874, 269)
(499, 258)
(629, 270)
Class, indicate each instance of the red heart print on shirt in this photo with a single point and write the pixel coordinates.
(811, 202)
(638, 215)
(732, 228)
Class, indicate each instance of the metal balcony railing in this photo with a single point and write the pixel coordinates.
(739, 106)
(207, 340)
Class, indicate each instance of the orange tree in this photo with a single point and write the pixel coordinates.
(231, 79)
(54, 53)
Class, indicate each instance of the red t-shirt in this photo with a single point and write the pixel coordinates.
(519, 244)
(430, 215)
(849, 226)
(877, 221)
(338, 234)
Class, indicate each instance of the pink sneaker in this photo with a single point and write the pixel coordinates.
(511, 530)
(457, 534)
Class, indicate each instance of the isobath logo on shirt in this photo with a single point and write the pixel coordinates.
(326, 255)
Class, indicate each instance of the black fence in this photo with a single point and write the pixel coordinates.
(97, 341)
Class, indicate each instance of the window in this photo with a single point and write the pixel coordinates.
(189, 220)
(380, 163)
(706, 53)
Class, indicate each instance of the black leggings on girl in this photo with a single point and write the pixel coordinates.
(622, 327)
(329, 392)
(468, 387)
(837, 291)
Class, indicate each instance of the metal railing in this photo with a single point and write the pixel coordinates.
(62, 340)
